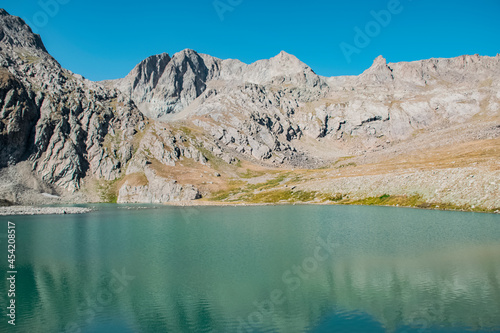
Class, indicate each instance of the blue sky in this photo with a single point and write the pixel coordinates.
(106, 39)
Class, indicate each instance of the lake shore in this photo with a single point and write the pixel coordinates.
(401, 204)
(34, 210)
(40, 210)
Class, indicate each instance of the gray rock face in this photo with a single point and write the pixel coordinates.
(261, 110)
(468, 70)
(14, 32)
(157, 190)
(186, 108)
(18, 114)
(55, 118)
(162, 85)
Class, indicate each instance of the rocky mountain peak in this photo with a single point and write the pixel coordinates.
(379, 72)
(283, 55)
(287, 62)
(283, 68)
(162, 84)
(14, 32)
(186, 53)
(379, 61)
(149, 70)
(187, 57)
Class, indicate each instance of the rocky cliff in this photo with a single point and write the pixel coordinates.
(190, 125)
(58, 118)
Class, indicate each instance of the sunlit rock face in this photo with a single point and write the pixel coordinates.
(192, 107)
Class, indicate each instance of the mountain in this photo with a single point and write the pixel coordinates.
(162, 85)
(55, 119)
(191, 126)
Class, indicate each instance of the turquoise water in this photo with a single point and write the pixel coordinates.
(255, 269)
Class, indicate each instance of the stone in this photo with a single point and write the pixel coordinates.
(194, 111)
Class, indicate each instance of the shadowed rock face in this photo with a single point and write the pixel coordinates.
(161, 85)
(18, 115)
(55, 118)
(260, 109)
(16, 33)
(275, 112)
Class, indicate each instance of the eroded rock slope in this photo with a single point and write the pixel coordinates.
(189, 125)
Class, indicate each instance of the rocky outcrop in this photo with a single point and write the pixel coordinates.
(262, 110)
(58, 120)
(161, 85)
(197, 111)
(156, 190)
(18, 115)
(27, 210)
(14, 32)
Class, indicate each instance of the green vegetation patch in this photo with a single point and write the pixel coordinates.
(112, 142)
(344, 158)
(108, 190)
(388, 200)
(137, 138)
(251, 174)
(30, 59)
(275, 196)
(234, 189)
(269, 184)
(215, 162)
(415, 201)
(351, 164)
(187, 131)
(332, 197)
(114, 104)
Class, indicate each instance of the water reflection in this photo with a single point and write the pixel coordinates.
(252, 270)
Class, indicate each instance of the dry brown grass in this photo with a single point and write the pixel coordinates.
(5, 78)
(474, 153)
(134, 179)
(187, 171)
(460, 155)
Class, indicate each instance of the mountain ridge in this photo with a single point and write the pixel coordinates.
(191, 126)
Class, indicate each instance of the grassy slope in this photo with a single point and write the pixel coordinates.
(286, 186)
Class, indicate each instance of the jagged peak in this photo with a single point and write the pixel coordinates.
(185, 53)
(284, 56)
(16, 33)
(191, 56)
(156, 57)
(379, 64)
(149, 62)
(149, 68)
(380, 60)
(379, 71)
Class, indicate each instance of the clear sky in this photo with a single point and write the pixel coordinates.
(106, 39)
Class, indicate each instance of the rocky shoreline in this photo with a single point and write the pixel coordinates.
(204, 203)
(194, 204)
(28, 210)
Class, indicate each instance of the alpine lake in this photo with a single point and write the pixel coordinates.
(286, 269)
